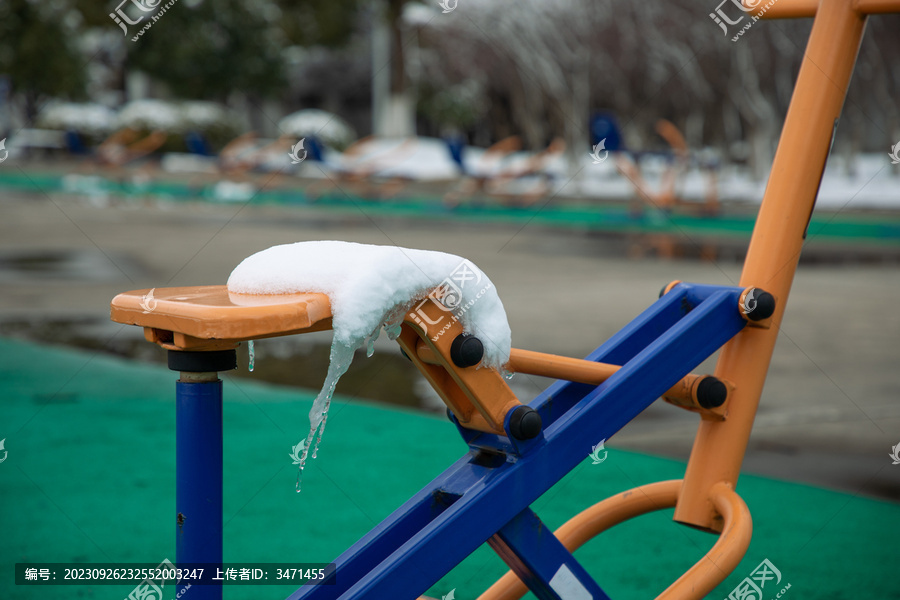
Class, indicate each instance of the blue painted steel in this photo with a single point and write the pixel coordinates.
(198, 478)
(540, 560)
(476, 497)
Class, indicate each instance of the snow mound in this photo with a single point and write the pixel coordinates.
(370, 288)
(85, 118)
(367, 284)
(312, 122)
(201, 114)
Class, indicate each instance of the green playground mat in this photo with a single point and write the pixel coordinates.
(878, 230)
(89, 477)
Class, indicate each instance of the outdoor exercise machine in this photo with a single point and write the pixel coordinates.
(516, 451)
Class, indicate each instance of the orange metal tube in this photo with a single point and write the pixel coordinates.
(785, 9)
(571, 369)
(585, 371)
(877, 7)
(700, 579)
(792, 9)
(719, 447)
(559, 367)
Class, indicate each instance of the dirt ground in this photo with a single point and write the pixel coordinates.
(829, 415)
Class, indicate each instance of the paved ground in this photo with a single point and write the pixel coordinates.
(830, 413)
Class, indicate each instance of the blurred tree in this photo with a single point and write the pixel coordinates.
(94, 13)
(208, 48)
(318, 22)
(548, 64)
(37, 53)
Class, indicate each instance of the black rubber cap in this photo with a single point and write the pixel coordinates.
(202, 362)
(758, 305)
(525, 423)
(711, 392)
(466, 351)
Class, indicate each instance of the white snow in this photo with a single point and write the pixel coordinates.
(150, 114)
(328, 127)
(200, 114)
(173, 117)
(86, 118)
(365, 283)
(370, 288)
(875, 185)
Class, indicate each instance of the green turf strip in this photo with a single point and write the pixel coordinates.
(91, 466)
(877, 230)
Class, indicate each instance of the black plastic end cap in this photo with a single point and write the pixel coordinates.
(711, 392)
(759, 305)
(466, 351)
(525, 423)
(202, 362)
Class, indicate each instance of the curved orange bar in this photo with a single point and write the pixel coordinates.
(702, 578)
(724, 556)
(596, 519)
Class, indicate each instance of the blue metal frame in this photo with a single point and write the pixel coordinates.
(485, 495)
(541, 561)
(198, 478)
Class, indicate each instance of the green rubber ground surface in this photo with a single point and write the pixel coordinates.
(91, 465)
(880, 230)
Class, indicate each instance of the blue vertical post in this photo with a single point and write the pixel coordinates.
(198, 460)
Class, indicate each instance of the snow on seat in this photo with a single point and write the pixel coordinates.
(371, 288)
